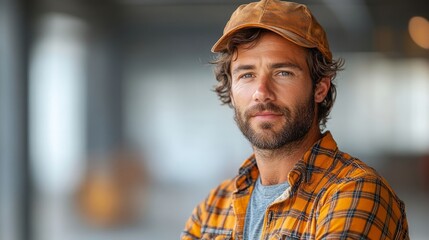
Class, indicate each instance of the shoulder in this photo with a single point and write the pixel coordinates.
(350, 171)
(222, 193)
(345, 168)
(362, 199)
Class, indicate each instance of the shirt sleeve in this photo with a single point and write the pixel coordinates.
(362, 209)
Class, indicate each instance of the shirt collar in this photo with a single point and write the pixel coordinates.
(317, 158)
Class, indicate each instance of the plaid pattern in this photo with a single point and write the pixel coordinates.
(332, 196)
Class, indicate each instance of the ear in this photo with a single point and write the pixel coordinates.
(322, 89)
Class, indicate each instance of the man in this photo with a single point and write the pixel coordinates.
(275, 69)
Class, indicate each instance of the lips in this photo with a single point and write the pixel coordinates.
(266, 114)
(267, 111)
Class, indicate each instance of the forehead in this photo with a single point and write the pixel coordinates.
(272, 46)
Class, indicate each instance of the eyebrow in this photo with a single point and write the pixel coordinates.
(272, 66)
(243, 67)
(285, 64)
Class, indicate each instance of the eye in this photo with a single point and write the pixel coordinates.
(284, 73)
(246, 75)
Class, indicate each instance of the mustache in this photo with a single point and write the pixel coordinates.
(271, 107)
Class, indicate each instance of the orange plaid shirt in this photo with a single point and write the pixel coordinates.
(332, 196)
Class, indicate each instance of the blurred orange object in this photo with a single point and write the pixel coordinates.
(112, 192)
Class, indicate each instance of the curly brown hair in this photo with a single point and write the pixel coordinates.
(319, 66)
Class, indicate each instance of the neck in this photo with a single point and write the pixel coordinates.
(275, 165)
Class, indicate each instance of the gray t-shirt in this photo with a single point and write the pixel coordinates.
(262, 197)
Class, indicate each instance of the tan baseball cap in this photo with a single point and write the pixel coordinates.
(290, 20)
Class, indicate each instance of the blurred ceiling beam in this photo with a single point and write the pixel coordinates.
(353, 15)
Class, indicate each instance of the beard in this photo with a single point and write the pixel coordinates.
(296, 125)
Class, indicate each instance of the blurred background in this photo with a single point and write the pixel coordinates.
(109, 128)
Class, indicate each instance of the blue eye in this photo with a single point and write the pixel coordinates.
(284, 73)
(247, 75)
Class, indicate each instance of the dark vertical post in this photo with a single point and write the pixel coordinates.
(25, 26)
(15, 181)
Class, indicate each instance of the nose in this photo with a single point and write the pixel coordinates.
(264, 91)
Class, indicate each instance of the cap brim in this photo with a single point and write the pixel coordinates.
(291, 36)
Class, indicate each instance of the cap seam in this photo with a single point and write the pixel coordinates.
(309, 25)
(263, 11)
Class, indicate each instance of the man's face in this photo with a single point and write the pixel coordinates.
(272, 92)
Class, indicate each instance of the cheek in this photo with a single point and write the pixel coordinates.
(241, 93)
(294, 93)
